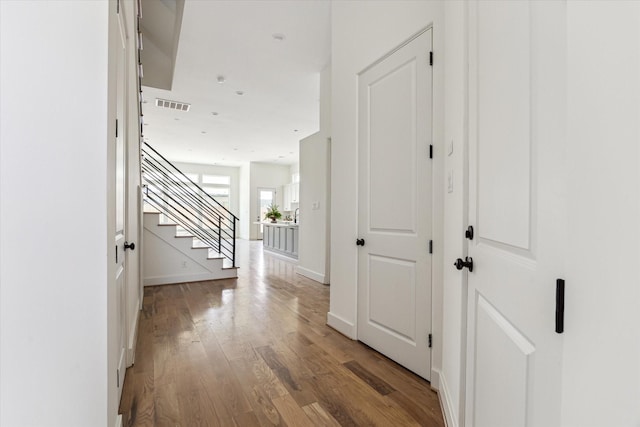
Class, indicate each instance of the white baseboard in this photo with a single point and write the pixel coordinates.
(341, 325)
(435, 379)
(197, 277)
(311, 275)
(133, 338)
(450, 418)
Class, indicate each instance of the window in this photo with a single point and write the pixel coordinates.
(218, 187)
(216, 179)
(192, 176)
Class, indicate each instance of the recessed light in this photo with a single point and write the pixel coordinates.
(220, 79)
(295, 130)
(278, 36)
(204, 131)
(281, 157)
(175, 118)
(214, 113)
(235, 149)
(239, 92)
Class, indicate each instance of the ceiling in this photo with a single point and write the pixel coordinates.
(270, 51)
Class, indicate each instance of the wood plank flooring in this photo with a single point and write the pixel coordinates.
(255, 351)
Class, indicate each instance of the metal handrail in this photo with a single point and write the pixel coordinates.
(183, 201)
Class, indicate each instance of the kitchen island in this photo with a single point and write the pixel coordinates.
(281, 238)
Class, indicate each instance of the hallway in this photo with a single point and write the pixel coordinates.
(256, 351)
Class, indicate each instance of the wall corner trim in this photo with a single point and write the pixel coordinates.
(341, 325)
(444, 396)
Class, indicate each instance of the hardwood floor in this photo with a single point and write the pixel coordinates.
(255, 351)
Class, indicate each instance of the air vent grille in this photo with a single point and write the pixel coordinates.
(173, 105)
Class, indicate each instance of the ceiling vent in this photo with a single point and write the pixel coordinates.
(173, 105)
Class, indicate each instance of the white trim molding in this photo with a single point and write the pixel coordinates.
(341, 325)
(450, 418)
(318, 277)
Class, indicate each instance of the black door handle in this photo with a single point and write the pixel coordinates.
(360, 242)
(468, 262)
(131, 246)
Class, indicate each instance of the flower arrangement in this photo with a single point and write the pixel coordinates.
(272, 213)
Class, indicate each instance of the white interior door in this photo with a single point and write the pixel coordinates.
(394, 205)
(120, 205)
(516, 205)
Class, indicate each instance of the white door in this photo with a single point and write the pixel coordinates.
(120, 205)
(516, 207)
(266, 197)
(394, 205)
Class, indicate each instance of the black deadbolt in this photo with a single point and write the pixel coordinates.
(131, 246)
(469, 232)
(360, 242)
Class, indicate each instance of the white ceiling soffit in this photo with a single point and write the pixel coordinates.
(160, 25)
(269, 98)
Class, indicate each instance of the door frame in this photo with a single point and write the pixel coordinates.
(260, 233)
(437, 202)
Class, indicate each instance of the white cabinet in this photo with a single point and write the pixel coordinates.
(290, 194)
(286, 197)
(282, 239)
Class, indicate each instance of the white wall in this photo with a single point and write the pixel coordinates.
(455, 219)
(312, 251)
(53, 214)
(245, 216)
(602, 308)
(362, 32)
(294, 168)
(315, 180)
(233, 172)
(264, 175)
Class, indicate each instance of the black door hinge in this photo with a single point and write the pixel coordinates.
(430, 340)
(431, 58)
(430, 246)
(118, 378)
(431, 151)
(559, 306)
(116, 128)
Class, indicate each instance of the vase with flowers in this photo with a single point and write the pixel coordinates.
(272, 213)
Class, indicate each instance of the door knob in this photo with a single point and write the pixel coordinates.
(131, 246)
(460, 264)
(360, 242)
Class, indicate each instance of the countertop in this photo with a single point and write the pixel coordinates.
(277, 224)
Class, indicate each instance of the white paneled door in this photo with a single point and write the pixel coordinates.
(394, 205)
(516, 183)
(120, 205)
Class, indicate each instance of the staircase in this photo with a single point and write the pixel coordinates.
(188, 235)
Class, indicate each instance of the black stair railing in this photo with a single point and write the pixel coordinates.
(183, 201)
